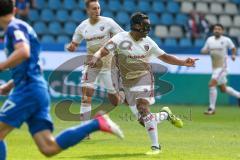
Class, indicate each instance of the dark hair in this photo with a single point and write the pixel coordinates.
(87, 2)
(218, 25)
(6, 7)
(137, 18)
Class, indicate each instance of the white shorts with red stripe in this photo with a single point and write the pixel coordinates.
(220, 75)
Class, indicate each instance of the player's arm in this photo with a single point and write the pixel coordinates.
(6, 88)
(205, 49)
(21, 52)
(170, 59)
(76, 40)
(98, 55)
(233, 48)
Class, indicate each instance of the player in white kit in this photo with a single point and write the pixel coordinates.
(217, 46)
(133, 51)
(96, 30)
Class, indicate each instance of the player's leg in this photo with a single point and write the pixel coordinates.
(229, 90)
(149, 123)
(212, 97)
(50, 145)
(5, 129)
(86, 101)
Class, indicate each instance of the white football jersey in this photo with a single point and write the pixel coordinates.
(218, 49)
(133, 56)
(97, 35)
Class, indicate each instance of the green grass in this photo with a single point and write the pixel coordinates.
(202, 138)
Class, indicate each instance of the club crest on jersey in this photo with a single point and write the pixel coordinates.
(102, 28)
(146, 47)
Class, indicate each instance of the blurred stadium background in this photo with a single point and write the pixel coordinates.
(56, 20)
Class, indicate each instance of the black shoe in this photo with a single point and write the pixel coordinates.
(209, 112)
(154, 150)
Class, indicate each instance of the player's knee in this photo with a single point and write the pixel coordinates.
(86, 99)
(114, 99)
(212, 83)
(223, 89)
(142, 109)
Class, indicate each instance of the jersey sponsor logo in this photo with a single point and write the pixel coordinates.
(95, 38)
(19, 35)
(146, 47)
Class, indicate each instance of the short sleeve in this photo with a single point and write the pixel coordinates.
(155, 50)
(77, 36)
(230, 43)
(18, 35)
(115, 27)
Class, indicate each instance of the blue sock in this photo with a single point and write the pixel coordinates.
(74, 135)
(3, 150)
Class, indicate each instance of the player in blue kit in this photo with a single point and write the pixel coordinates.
(29, 101)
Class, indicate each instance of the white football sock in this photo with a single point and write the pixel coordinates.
(212, 97)
(85, 111)
(232, 92)
(161, 116)
(151, 127)
(134, 111)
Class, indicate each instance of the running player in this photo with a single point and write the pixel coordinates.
(29, 101)
(97, 30)
(133, 50)
(217, 46)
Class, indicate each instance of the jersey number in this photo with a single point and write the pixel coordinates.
(7, 106)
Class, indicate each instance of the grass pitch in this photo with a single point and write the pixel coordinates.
(202, 138)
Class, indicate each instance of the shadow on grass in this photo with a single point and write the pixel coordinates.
(108, 156)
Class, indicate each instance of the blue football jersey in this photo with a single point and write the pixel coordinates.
(29, 70)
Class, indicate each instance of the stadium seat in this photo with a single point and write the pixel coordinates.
(234, 32)
(122, 17)
(230, 9)
(202, 7)
(154, 19)
(161, 31)
(54, 28)
(216, 8)
(108, 14)
(47, 39)
(40, 27)
(181, 19)
(225, 20)
(63, 39)
(236, 21)
(114, 5)
(103, 4)
(187, 7)
(166, 19)
(158, 7)
(62, 15)
(170, 42)
(33, 15)
(69, 4)
(47, 15)
(173, 7)
(129, 6)
(40, 4)
(54, 4)
(175, 32)
(81, 5)
(185, 42)
(236, 1)
(199, 42)
(157, 40)
(144, 6)
(212, 19)
(69, 28)
(78, 16)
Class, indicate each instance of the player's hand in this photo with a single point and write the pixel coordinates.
(72, 47)
(190, 62)
(5, 89)
(92, 63)
(233, 57)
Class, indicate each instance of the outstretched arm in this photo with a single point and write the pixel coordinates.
(234, 53)
(170, 59)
